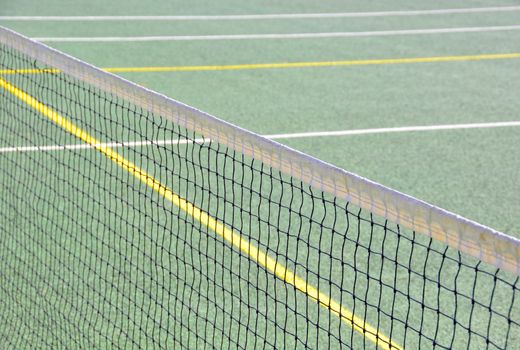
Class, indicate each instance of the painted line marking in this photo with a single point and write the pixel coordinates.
(314, 64)
(393, 130)
(126, 144)
(280, 36)
(281, 65)
(233, 237)
(272, 136)
(265, 16)
(30, 71)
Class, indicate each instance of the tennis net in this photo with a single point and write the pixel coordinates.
(131, 220)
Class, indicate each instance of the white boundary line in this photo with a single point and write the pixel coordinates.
(393, 130)
(108, 144)
(280, 36)
(264, 16)
(272, 137)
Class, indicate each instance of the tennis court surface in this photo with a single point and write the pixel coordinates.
(131, 220)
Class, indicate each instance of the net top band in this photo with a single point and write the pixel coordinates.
(469, 237)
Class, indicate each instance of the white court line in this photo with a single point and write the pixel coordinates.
(108, 144)
(280, 36)
(265, 16)
(272, 136)
(393, 130)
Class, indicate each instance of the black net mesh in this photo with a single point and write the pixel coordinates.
(93, 257)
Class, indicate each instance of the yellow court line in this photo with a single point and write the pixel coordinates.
(281, 65)
(29, 71)
(231, 236)
(314, 64)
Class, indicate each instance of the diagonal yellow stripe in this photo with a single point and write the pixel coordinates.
(231, 236)
(282, 65)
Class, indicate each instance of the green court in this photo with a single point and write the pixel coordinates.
(470, 172)
(430, 112)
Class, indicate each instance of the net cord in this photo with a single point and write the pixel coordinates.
(467, 236)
